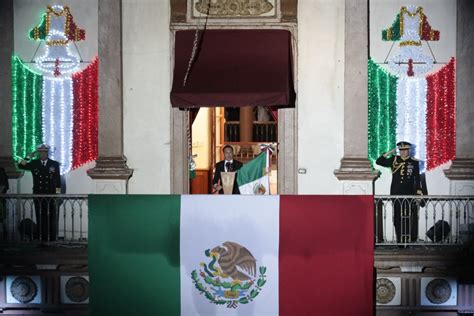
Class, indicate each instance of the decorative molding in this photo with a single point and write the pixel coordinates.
(462, 187)
(411, 269)
(388, 291)
(356, 169)
(25, 289)
(285, 10)
(437, 291)
(461, 169)
(111, 187)
(289, 10)
(113, 168)
(178, 11)
(46, 266)
(357, 188)
(234, 8)
(74, 289)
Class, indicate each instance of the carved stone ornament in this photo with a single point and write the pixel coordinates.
(438, 291)
(24, 289)
(227, 8)
(77, 289)
(385, 291)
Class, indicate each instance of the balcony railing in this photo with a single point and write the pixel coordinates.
(58, 219)
(430, 220)
(399, 220)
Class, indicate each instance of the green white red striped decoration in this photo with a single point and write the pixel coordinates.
(56, 104)
(419, 110)
(409, 105)
(62, 112)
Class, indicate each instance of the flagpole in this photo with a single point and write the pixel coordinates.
(267, 170)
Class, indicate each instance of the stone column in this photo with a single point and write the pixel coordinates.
(6, 51)
(355, 170)
(111, 171)
(179, 150)
(246, 123)
(461, 172)
(287, 149)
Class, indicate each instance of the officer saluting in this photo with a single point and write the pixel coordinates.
(46, 180)
(405, 181)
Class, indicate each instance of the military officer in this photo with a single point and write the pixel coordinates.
(405, 181)
(46, 180)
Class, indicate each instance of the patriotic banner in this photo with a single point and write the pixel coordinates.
(61, 112)
(231, 255)
(419, 110)
(411, 105)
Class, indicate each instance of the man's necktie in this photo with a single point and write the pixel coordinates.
(227, 166)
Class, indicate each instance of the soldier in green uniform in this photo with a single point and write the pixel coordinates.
(46, 180)
(405, 181)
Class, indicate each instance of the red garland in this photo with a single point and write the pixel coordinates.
(85, 115)
(441, 116)
(427, 33)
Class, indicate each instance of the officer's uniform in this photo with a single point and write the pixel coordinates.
(405, 181)
(46, 180)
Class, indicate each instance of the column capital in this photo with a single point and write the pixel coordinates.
(461, 169)
(112, 168)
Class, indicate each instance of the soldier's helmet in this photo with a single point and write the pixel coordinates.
(43, 147)
(403, 145)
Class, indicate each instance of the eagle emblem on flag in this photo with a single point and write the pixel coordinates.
(230, 277)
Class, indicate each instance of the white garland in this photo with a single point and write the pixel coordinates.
(411, 115)
(57, 119)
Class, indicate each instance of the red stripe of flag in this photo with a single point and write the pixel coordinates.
(326, 255)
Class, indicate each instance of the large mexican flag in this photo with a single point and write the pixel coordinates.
(231, 255)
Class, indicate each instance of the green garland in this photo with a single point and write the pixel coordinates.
(27, 87)
(382, 111)
(392, 33)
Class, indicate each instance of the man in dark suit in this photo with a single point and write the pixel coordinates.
(405, 181)
(46, 180)
(226, 165)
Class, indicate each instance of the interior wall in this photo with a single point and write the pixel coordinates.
(320, 99)
(146, 87)
(441, 15)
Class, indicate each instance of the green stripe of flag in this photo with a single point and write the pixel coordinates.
(253, 170)
(134, 263)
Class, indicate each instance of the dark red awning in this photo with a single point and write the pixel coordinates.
(234, 68)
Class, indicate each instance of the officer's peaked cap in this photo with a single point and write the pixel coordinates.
(42, 147)
(403, 145)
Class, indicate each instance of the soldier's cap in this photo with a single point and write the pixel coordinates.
(42, 147)
(403, 145)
